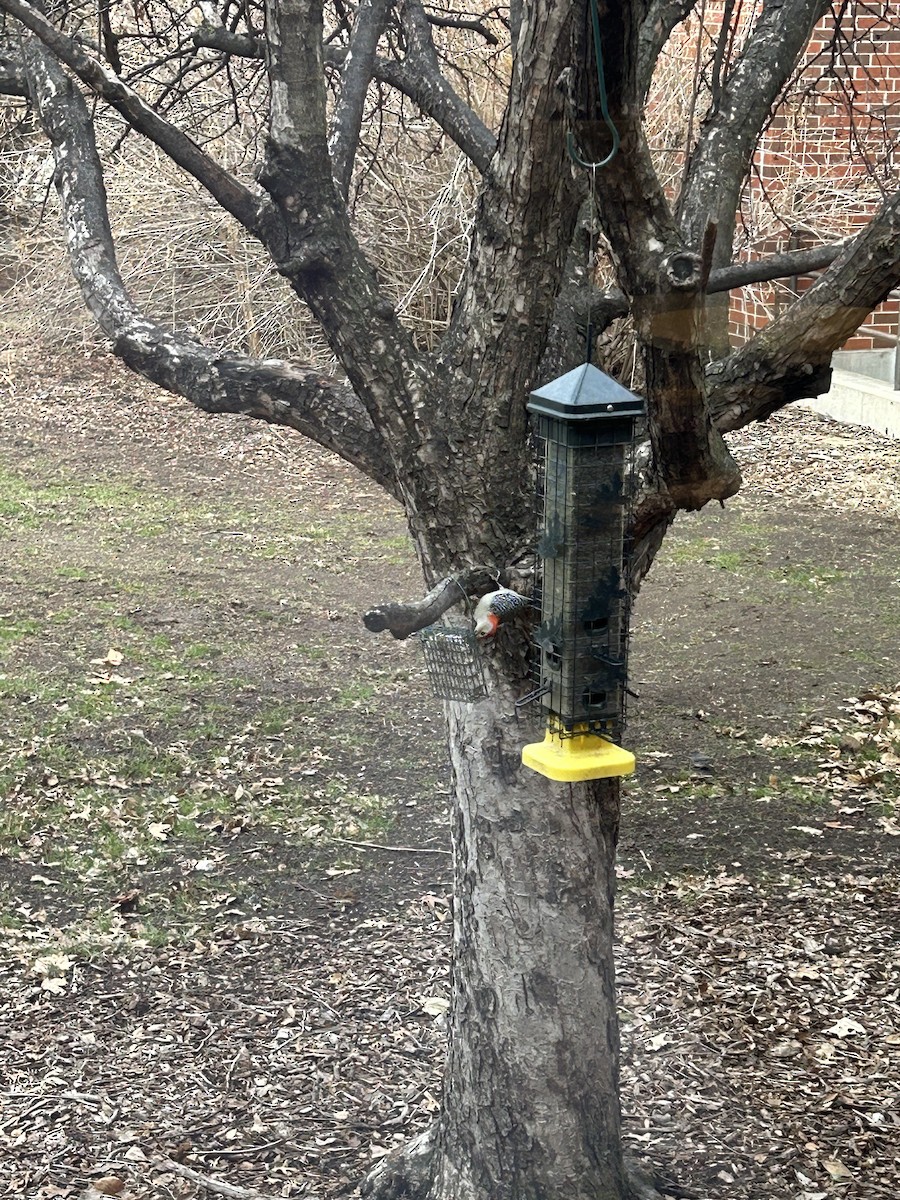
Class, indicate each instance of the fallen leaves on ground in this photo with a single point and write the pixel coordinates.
(801, 456)
(284, 1047)
(859, 757)
(282, 1061)
(761, 1034)
(770, 1013)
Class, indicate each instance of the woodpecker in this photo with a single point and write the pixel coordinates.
(496, 607)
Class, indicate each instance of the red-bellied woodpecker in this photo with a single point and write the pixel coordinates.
(496, 607)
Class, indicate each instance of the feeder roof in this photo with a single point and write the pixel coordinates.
(585, 394)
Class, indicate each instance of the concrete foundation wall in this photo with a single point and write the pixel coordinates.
(877, 364)
(861, 400)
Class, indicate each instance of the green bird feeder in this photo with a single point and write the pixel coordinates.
(586, 426)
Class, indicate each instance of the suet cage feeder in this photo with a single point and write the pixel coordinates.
(453, 662)
(586, 435)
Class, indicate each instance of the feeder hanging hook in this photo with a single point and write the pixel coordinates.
(604, 102)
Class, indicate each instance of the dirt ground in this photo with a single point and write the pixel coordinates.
(224, 869)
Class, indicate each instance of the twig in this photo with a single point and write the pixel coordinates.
(238, 1058)
(161, 1163)
(312, 891)
(693, 931)
(44, 1102)
(240, 1152)
(83, 1097)
(392, 849)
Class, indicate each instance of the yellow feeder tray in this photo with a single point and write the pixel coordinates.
(572, 759)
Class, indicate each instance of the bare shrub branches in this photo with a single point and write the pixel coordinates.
(234, 197)
(321, 407)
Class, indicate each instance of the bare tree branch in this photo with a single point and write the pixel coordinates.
(530, 178)
(664, 279)
(724, 43)
(434, 94)
(789, 359)
(356, 75)
(729, 134)
(430, 91)
(404, 618)
(418, 78)
(217, 37)
(775, 266)
(318, 252)
(610, 306)
(320, 407)
(656, 28)
(445, 21)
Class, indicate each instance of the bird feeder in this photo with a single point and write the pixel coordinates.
(586, 434)
(453, 662)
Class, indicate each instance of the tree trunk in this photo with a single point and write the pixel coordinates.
(532, 1075)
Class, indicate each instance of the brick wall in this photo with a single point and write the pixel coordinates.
(829, 152)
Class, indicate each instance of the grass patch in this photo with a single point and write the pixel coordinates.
(355, 695)
(13, 631)
(707, 550)
(682, 553)
(136, 752)
(68, 500)
(809, 577)
(728, 560)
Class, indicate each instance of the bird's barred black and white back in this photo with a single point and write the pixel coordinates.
(496, 607)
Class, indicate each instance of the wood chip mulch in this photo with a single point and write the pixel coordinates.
(800, 456)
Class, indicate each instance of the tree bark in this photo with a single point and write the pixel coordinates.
(664, 278)
(790, 358)
(730, 133)
(532, 1075)
(356, 75)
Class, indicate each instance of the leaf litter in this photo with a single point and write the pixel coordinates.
(276, 1047)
